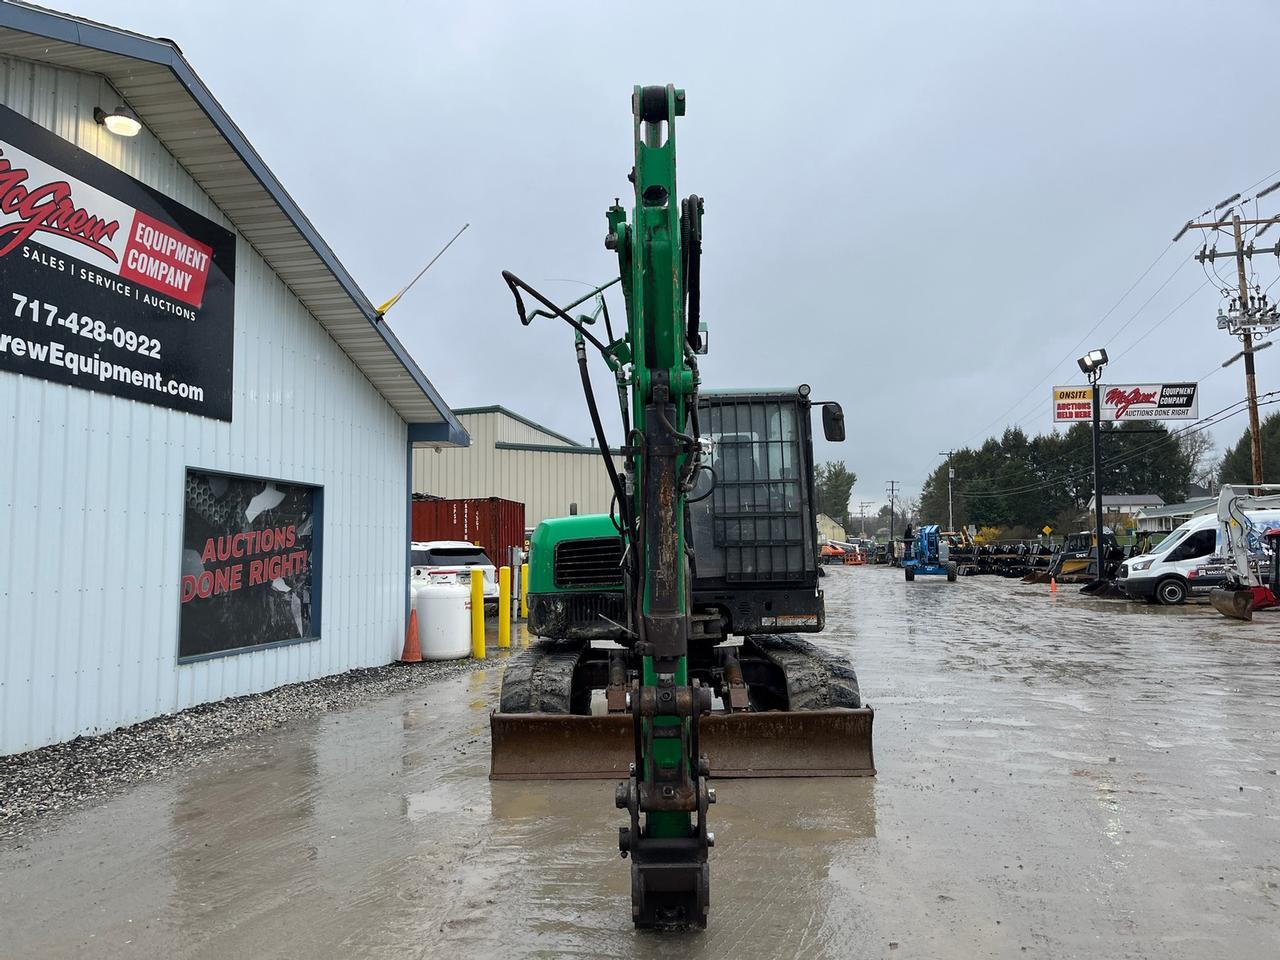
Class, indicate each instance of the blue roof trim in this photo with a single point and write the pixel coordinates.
(59, 26)
(438, 433)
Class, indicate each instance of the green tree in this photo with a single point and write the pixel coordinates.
(1237, 464)
(833, 484)
(1016, 482)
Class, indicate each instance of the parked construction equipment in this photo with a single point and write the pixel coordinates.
(929, 554)
(714, 534)
(1247, 545)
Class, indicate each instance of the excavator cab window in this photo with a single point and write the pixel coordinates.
(758, 505)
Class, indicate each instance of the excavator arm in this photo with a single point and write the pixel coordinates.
(666, 793)
(654, 361)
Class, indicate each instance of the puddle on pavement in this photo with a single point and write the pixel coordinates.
(1057, 774)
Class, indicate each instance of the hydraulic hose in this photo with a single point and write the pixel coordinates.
(691, 261)
(615, 481)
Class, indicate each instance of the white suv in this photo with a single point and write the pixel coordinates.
(457, 557)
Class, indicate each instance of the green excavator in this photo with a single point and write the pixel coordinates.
(669, 652)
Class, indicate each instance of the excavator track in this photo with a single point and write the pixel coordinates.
(814, 680)
(540, 679)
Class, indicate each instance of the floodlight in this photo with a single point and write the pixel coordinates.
(1093, 361)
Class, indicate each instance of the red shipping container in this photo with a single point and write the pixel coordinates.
(494, 523)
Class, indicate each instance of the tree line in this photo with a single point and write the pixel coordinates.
(1021, 483)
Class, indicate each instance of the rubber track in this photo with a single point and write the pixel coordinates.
(815, 680)
(540, 679)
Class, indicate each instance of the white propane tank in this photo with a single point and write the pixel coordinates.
(444, 620)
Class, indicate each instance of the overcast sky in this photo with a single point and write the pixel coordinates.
(918, 208)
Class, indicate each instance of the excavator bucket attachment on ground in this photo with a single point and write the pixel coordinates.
(1240, 603)
(790, 743)
(1236, 604)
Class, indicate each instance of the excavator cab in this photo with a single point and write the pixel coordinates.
(783, 707)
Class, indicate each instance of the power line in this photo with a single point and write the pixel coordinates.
(1204, 423)
(1152, 328)
(1067, 456)
(1142, 276)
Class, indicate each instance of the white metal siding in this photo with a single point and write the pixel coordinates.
(546, 482)
(91, 492)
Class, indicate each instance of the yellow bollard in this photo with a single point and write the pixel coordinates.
(524, 591)
(504, 607)
(477, 613)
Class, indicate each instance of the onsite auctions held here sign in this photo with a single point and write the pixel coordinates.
(106, 284)
(1129, 401)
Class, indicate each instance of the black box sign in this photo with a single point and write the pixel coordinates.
(249, 563)
(107, 284)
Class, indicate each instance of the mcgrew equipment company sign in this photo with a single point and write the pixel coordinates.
(107, 284)
(1129, 401)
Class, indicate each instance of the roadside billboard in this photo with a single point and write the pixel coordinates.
(107, 284)
(1128, 401)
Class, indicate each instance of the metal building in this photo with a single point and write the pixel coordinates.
(207, 431)
(513, 457)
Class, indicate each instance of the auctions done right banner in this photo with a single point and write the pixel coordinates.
(1128, 401)
(107, 284)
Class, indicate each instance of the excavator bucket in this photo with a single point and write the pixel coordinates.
(1239, 604)
(792, 743)
(1236, 604)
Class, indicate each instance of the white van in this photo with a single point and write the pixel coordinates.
(1169, 572)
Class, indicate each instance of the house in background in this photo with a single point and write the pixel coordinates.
(1165, 518)
(1127, 504)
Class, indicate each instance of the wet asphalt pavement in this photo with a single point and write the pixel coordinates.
(1058, 777)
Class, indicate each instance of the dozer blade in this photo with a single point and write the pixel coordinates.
(1236, 604)
(796, 743)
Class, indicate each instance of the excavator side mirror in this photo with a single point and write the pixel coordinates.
(833, 422)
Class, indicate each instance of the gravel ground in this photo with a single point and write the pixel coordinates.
(64, 776)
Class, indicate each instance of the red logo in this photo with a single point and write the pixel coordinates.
(47, 208)
(166, 259)
(1122, 401)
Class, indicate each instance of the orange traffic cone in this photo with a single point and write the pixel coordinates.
(412, 646)
(1053, 585)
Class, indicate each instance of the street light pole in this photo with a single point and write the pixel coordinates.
(1092, 363)
(1097, 464)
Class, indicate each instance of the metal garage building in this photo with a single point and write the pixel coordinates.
(208, 431)
(513, 457)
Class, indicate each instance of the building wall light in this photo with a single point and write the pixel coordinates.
(121, 121)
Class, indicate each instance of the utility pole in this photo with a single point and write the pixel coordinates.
(862, 515)
(893, 493)
(1251, 385)
(951, 475)
(1252, 317)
